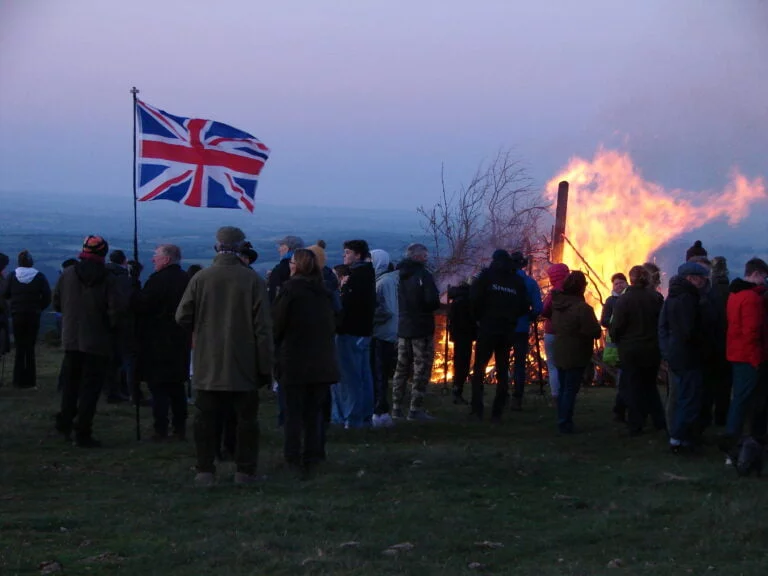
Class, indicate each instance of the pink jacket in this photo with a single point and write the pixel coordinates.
(557, 274)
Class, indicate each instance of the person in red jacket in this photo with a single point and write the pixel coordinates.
(747, 340)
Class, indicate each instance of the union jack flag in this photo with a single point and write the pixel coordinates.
(196, 162)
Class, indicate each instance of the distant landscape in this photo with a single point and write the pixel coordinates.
(53, 226)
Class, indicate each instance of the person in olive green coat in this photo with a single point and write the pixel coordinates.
(227, 308)
(577, 328)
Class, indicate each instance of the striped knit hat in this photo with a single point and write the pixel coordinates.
(95, 246)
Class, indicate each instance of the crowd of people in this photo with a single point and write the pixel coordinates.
(329, 340)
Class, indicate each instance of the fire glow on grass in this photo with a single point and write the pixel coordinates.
(617, 219)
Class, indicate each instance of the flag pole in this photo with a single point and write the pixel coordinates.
(135, 91)
(136, 381)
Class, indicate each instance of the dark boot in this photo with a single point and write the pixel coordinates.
(458, 397)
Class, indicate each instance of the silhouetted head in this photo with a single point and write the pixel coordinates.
(25, 259)
(639, 276)
(575, 284)
(118, 257)
(304, 263)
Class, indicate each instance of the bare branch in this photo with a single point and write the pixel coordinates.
(498, 208)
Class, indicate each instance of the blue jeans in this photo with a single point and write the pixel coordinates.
(744, 384)
(549, 348)
(690, 387)
(352, 397)
(520, 346)
(570, 384)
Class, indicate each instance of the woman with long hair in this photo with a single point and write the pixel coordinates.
(304, 325)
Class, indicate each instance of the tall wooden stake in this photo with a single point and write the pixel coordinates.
(560, 216)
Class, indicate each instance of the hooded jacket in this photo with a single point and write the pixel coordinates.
(28, 291)
(747, 340)
(680, 338)
(577, 328)
(418, 298)
(358, 301)
(557, 274)
(304, 330)
(89, 302)
(227, 307)
(499, 298)
(385, 319)
(634, 328)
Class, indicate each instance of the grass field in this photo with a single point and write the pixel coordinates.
(459, 497)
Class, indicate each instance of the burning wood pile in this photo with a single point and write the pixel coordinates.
(616, 220)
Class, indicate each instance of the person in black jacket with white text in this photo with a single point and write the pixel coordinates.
(499, 298)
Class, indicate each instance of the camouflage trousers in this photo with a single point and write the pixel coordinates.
(414, 359)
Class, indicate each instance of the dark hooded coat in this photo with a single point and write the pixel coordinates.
(577, 328)
(417, 300)
(90, 306)
(680, 337)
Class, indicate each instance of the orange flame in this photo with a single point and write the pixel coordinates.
(616, 219)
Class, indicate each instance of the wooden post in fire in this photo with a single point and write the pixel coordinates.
(445, 349)
(558, 242)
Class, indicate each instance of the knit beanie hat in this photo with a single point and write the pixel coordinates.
(557, 274)
(230, 238)
(320, 257)
(696, 250)
(95, 246)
